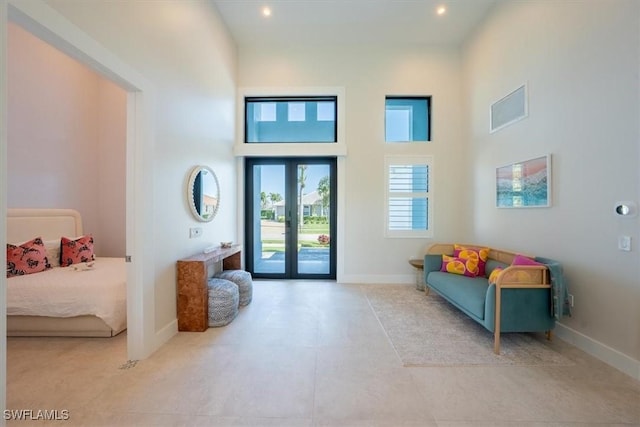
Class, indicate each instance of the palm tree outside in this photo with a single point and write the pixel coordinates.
(302, 183)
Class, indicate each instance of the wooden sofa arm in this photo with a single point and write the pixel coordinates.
(517, 277)
(523, 276)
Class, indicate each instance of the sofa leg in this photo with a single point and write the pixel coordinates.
(498, 311)
(549, 334)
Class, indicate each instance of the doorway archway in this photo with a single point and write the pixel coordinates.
(45, 23)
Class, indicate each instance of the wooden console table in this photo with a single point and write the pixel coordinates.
(193, 296)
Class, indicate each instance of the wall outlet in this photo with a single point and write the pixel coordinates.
(624, 243)
(195, 232)
(571, 300)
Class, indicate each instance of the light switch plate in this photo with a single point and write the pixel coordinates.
(195, 232)
(624, 243)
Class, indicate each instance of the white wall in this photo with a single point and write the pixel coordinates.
(66, 139)
(184, 50)
(3, 204)
(580, 60)
(367, 74)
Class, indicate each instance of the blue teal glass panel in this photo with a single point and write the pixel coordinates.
(407, 119)
(291, 119)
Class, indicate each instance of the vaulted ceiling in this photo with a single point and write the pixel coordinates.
(351, 22)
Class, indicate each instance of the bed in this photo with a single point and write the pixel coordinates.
(81, 300)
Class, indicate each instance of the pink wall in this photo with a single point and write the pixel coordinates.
(66, 139)
(112, 134)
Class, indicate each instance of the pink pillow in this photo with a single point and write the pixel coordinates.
(480, 255)
(76, 251)
(27, 258)
(523, 260)
(462, 266)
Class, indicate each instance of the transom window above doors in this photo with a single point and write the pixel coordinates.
(291, 119)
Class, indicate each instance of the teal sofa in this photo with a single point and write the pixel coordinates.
(521, 300)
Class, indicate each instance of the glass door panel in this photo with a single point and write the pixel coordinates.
(313, 203)
(269, 233)
(290, 218)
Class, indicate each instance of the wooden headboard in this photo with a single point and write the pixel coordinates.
(50, 224)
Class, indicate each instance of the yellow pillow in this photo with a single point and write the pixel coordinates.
(493, 277)
(512, 276)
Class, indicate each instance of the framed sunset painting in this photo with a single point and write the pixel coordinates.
(525, 184)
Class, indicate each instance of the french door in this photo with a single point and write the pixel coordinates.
(290, 217)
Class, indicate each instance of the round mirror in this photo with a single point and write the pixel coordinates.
(203, 193)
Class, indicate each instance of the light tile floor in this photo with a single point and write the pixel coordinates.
(304, 354)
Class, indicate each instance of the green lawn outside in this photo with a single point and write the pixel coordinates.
(315, 228)
(310, 228)
(278, 245)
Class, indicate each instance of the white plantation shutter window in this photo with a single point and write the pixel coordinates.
(409, 201)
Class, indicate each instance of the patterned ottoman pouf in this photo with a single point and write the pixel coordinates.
(223, 302)
(243, 280)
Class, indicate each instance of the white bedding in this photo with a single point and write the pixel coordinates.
(65, 292)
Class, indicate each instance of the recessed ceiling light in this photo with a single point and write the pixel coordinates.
(441, 10)
(266, 11)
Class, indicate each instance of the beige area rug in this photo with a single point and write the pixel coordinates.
(428, 331)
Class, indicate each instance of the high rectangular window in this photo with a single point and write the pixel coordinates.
(296, 111)
(265, 112)
(326, 111)
(409, 196)
(407, 118)
(291, 119)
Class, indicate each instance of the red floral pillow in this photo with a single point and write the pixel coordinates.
(27, 258)
(75, 251)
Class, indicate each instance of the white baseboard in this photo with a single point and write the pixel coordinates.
(165, 334)
(378, 279)
(601, 351)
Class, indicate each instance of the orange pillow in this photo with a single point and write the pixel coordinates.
(461, 266)
(479, 255)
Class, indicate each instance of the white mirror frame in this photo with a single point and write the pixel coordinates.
(190, 198)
